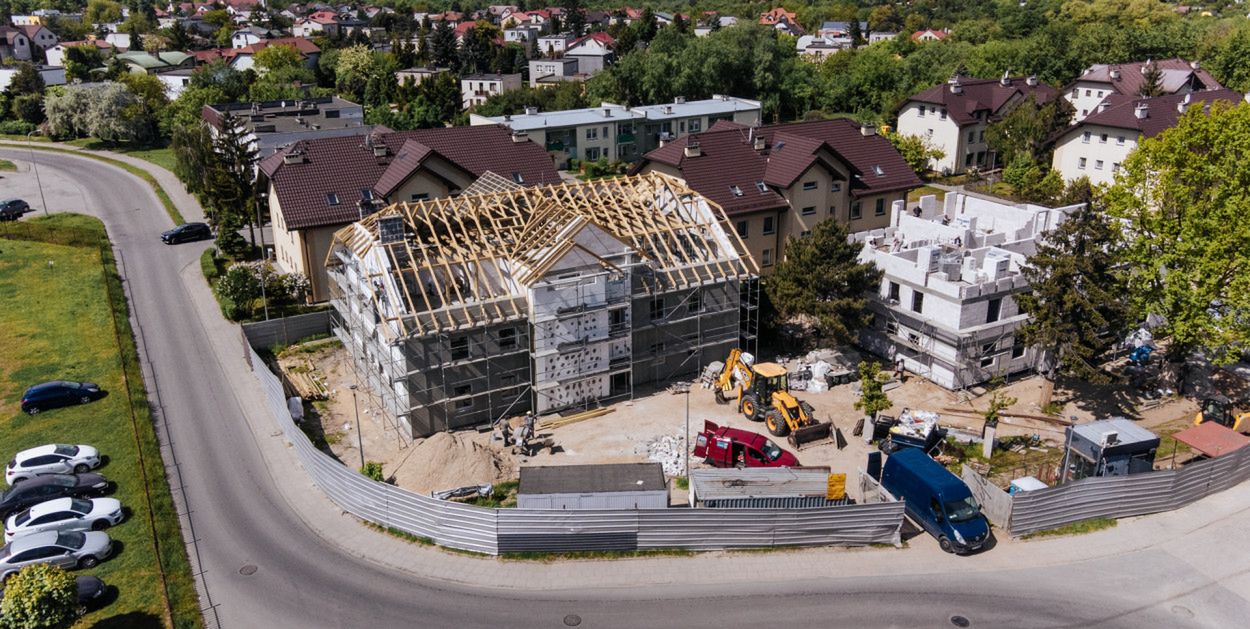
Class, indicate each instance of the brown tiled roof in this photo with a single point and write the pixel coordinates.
(981, 95)
(728, 158)
(1129, 77)
(345, 166)
(1162, 112)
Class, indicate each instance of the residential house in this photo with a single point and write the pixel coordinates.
(416, 75)
(782, 20)
(14, 44)
(40, 37)
(1097, 82)
(777, 182)
(817, 48)
(951, 271)
(51, 75)
(271, 125)
(928, 35)
(554, 45)
(563, 299)
(56, 54)
(725, 21)
(176, 81)
(526, 36)
(319, 186)
(953, 117)
(593, 52)
(244, 58)
(245, 37)
(318, 23)
(1097, 146)
(539, 19)
(617, 132)
(476, 88)
(119, 41)
(548, 72)
(155, 63)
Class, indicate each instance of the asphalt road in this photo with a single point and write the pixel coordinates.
(239, 517)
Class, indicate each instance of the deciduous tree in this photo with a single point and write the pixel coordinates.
(916, 151)
(39, 596)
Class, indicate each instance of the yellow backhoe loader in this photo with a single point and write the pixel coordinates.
(763, 394)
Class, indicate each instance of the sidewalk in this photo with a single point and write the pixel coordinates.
(1197, 534)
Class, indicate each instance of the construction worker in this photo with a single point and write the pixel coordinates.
(900, 369)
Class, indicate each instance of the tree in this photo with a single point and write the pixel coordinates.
(39, 596)
(1183, 197)
(102, 12)
(1152, 81)
(271, 58)
(821, 277)
(352, 71)
(81, 60)
(179, 38)
(574, 16)
(1029, 128)
(1075, 302)
(232, 188)
(872, 397)
(856, 33)
(916, 151)
(477, 48)
(443, 46)
(26, 80)
(999, 402)
(241, 287)
(193, 156)
(108, 111)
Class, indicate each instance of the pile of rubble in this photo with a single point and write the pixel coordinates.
(670, 452)
(822, 368)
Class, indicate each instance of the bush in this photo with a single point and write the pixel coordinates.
(29, 107)
(239, 286)
(208, 266)
(16, 127)
(373, 470)
(37, 597)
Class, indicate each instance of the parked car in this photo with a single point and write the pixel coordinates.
(936, 499)
(65, 514)
(54, 458)
(44, 488)
(13, 209)
(89, 589)
(57, 393)
(65, 550)
(723, 446)
(186, 232)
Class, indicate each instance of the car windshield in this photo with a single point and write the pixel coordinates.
(22, 518)
(65, 450)
(72, 385)
(71, 540)
(771, 450)
(79, 505)
(962, 510)
(61, 480)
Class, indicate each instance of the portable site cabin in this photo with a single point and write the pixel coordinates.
(617, 486)
(1109, 447)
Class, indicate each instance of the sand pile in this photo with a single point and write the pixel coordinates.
(447, 461)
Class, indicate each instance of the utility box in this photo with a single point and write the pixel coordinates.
(1109, 447)
(618, 486)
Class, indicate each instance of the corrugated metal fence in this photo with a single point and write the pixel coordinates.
(995, 503)
(494, 531)
(1124, 496)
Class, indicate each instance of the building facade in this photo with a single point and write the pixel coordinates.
(946, 306)
(476, 88)
(1102, 80)
(508, 299)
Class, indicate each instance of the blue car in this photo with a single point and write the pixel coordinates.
(937, 500)
(57, 393)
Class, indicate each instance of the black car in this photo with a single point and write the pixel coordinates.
(89, 589)
(57, 393)
(43, 488)
(13, 209)
(187, 232)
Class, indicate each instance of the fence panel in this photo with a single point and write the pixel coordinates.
(995, 503)
(559, 530)
(715, 529)
(286, 330)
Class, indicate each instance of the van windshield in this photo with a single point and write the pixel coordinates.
(771, 450)
(962, 510)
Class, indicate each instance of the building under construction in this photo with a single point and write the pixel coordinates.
(459, 311)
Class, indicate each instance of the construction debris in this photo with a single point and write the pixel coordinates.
(670, 452)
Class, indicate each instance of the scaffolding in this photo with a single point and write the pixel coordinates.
(505, 299)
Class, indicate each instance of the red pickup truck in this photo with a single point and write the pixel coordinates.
(722, 446)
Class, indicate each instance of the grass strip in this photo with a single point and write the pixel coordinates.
(168, 203)
(1076, 528)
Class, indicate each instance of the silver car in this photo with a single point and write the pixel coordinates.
(54, 458)
(65, 514)
(66, 550)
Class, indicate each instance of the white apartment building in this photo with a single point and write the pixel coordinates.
(1101, 80)
(954, 116)
(617, 132)
(1097, 146)
(545, 72)
(951, 271)
(476, 88)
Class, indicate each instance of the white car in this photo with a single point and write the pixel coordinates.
(65, 514)
(65, 550)
(56, 458)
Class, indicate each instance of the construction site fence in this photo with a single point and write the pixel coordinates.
(495, 531)
(287, 330)
(1124, 496)
(995, 503)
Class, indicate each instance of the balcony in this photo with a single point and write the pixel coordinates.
(625, 138)
(555, 146)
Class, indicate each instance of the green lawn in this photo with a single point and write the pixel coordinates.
(161, 156)
(58, 307)
(7, 165)
(914, 195)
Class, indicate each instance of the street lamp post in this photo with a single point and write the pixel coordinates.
(687, 439)
(360, 444)
(38, 180)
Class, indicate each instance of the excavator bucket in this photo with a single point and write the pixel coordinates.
(812, 432)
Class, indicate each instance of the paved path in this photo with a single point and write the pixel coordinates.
(250, 504)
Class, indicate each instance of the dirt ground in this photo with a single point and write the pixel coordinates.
(622, 436)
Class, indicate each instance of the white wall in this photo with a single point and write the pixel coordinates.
(1109, 145)
(938, 130)
(1085, 96)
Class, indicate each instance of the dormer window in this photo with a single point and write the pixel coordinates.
(736, 190)
(332, 198)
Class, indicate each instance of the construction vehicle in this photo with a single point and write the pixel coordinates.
(722, 446)
(1219, 409)
(763, 395)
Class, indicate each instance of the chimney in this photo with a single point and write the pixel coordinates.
(760, 144)
(531, 111)
(607, 112)
(1103, 106)
(680, 100)
(380, 150)
(692, 149)
(507, 117)
(868, 130)
(1195, 65)
(1142, 111)
(1031, 81)
(668, 109)
(955, 87)
(294, 157)
(1145, 66)
(1006, 80)
(520, 136)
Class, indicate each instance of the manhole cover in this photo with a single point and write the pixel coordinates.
(1181, 610)
(960, 621)
(572, 620)
(250, 570)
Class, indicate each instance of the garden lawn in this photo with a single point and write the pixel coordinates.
(57, 307)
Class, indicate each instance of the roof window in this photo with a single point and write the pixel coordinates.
(736, 190)
(759, 185)
(332, 198)
(518, 178)
(880, 172)
(366, 194)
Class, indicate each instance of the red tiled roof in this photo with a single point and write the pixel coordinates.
(1162, 112)
(345, 166)
(599, 36)
(982, 95)
(324, 17)
(728, 158)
